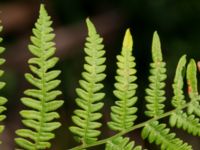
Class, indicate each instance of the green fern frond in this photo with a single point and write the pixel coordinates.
(89, 95)
(3, 100)
(122, 113)
(155, 93)
(121, 143)
(41, 100)
(194, 106)
(179, 118)
(161, 135)
(178, 99)
(188, 123)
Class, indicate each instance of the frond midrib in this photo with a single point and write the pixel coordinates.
(89, 102)
(127, 78)
(42, 112)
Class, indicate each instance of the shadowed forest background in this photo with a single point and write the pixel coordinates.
(177, 23)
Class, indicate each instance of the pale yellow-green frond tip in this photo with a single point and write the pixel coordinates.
(156, 48)
(42, 9)
(91, 27)
(128, 40)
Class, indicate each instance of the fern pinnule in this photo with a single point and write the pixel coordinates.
(155, 93)
(123, 113)
(194, 106)
(3, 100)
(89, 98)
(121, 143)
(41, 100)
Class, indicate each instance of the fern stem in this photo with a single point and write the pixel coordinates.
(140, 125)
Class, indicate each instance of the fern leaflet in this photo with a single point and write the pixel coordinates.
(188, 123)
(178, 99)
(121, 143)
(3, 100)
(122, 113)
(161, 135)
(155, 93)
(39, 119)
(89, 95)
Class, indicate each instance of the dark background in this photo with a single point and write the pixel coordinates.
(177, 23)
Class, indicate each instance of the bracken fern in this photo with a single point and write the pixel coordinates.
(42, 100)
(123, 112)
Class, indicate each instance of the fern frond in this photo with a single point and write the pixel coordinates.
(155, 93)
(178, 99)
(89, 95)
(179, 118)
(121, 143)
(123, 113)
(188, 123)
(41, 101)
(161, 135)
(3, 100)
(194, 106)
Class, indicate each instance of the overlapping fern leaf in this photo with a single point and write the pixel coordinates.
(89, 98)
(121, 143)
(123, 113)
(3, 100)
(179, 118)
(154, 131)
(41, 101)
(155, 93)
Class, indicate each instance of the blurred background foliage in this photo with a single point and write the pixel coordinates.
(177, 23)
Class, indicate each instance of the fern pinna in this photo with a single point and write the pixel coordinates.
(41, 100)
(3, 100)
(123, 113)
(89, 95)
